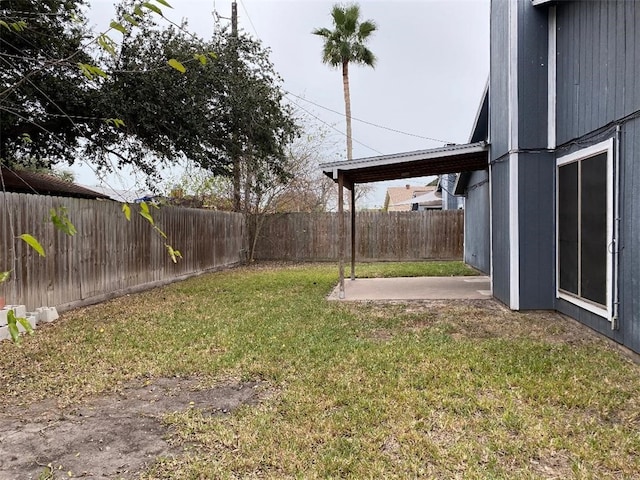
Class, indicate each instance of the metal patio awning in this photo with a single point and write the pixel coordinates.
(449, 159)
(421, 163)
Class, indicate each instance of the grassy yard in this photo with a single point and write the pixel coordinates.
(413, 269)
(438, 390)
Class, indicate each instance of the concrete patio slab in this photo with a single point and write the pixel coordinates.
(415, 288)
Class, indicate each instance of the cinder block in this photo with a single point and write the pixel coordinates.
(19, 310)
(4, 333)
(3, 317)
(47, 314)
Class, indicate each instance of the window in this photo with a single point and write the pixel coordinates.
(585, 227)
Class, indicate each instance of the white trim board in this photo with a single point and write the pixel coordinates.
(552, 65)
(514, 234)
(514, 203)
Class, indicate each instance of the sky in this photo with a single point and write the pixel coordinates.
(432, 67)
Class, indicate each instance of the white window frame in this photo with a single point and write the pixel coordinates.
(603, 147)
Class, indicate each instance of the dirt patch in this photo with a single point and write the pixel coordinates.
(112, 436)
(474, 319)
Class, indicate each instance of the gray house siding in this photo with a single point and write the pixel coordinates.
(598, 53)
(499, 80)
(533, 51)
(477, 243)
(536, 169)
(629, 321)
(598, 85)
(499, 139)
(597, 88)
(628, 332)
(500, 230)
(449, 200)
(537, 230)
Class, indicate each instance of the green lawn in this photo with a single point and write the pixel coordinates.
(413, 269)
(445, 390)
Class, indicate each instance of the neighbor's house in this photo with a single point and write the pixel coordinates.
(551, 176)
(397, 197)
(25, 181)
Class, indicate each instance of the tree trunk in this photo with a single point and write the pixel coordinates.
(347, 107)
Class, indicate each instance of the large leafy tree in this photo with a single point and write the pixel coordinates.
(44, 98)
(346, 44)
(163, 114)
(154, 96)
(256, 124)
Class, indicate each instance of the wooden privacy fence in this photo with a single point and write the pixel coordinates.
(385, 236)
(109, 255)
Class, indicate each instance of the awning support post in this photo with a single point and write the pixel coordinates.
(341, 228)
(353, 231)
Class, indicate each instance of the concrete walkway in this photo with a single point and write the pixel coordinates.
(415, 288)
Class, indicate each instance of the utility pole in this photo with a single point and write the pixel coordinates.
(235, 150)
(234, 19)
(235, 158)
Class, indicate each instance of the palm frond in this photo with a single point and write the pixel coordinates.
(346, 41)
(366, 29)
(323, 32)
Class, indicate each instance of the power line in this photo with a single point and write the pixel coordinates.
(337, 130)
(366, 122)
(249, 17)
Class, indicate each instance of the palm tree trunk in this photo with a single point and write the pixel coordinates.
(347, 107)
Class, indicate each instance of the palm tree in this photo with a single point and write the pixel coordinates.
(344, 45)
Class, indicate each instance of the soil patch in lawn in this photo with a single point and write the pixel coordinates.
(475, 319)
(112, 436)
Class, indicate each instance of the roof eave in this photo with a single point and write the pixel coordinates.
(448, 159)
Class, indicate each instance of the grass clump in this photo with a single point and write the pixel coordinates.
(434, 390)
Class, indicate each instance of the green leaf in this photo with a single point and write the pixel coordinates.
(107, 44)
(174, 254)
(138, 11)
(33, 243)
(19, 26)
(152, 7)
(201, 58)
(91, 71)
(130, 19)
(118, 26)
(177, 65)
(126, 209)
(60, 220)
(4, 276)
(26, 325)
(144, 212)
(164, 2)
(4, 24)
(13, 327)
(15, 334)
(116, 122)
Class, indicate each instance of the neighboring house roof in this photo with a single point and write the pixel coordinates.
(396, 195)
(24, 181)
(448, 159)
(432, 198)
(125, 196)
